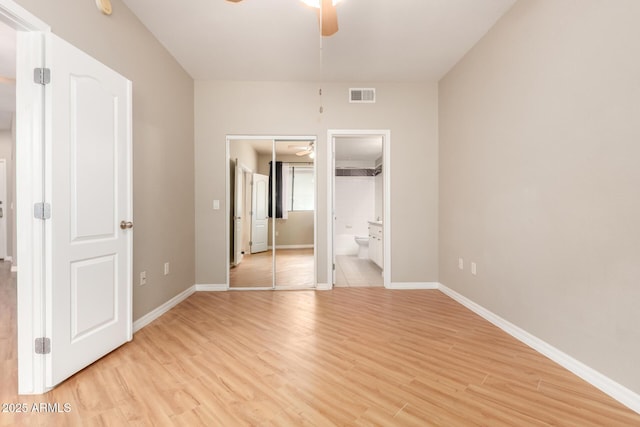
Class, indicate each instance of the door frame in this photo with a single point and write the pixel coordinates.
(274, 138)
(30, 160)
(243, 171)
(385, 134)
(4, 208)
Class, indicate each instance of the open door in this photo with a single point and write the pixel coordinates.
(238, 208)
(260, 217)
(89, 236)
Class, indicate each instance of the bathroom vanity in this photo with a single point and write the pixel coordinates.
(375, 242)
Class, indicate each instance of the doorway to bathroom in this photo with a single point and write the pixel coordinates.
(359, 219)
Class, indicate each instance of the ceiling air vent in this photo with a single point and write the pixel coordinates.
(362, 95)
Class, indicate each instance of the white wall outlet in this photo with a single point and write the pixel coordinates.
(473, 268)
(143, 278)
(460, 263)
(166, 268)
(216, 204)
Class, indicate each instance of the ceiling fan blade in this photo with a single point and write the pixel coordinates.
(328, 18)
(303, 153)
(234, 1)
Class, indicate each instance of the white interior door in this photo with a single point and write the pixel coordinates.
(238, 208)
(89, 188)
(260, 217)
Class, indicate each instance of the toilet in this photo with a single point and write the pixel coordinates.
(363, 246)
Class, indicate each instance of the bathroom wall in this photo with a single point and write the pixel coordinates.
(354, 205)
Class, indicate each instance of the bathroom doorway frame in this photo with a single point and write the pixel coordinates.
(385, 134)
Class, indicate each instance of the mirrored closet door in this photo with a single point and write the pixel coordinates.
(272, 195)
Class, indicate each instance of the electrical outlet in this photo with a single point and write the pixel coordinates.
(166, 268)
(473, 268)
(460, 263)
(143, 278)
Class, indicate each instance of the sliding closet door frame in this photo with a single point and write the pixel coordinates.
(274, 139)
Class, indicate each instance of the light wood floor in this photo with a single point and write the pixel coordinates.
(294, 268)
(351, 356)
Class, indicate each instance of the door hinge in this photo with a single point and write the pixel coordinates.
(42, 210)
(334, 265)
(42, 76)
(250, 243)
(43, 346)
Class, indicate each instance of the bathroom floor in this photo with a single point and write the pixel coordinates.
(352, 272)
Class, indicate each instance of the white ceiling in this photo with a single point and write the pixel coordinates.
(278, 40)
(358, 148)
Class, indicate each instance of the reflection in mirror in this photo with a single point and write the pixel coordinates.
(272, 205)
(250, 253)
(292, 231)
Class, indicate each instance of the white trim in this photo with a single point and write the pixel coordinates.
(211, 288)
(292, 247)
(4, 243)
(162, 309)
(324, 287)
(17, 17)
(590, 375)
(29, 189)
(386, 165)
(248, 288)
(413, 285)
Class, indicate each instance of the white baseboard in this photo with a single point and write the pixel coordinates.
(324, 287)
(413, 285)
(159, 311)
(211, 288)
(593, 377)
(292, 247)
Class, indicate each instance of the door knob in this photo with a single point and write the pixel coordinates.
(126, 224)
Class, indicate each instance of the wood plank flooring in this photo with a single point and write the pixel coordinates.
(294, 268)
(349, 357)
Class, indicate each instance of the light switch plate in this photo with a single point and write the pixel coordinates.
(216, 204)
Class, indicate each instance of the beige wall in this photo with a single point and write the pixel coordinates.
(279, 108)
(163, 157)
(540, 177)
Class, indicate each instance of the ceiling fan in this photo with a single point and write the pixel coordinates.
(305, 150)
(327, 15)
